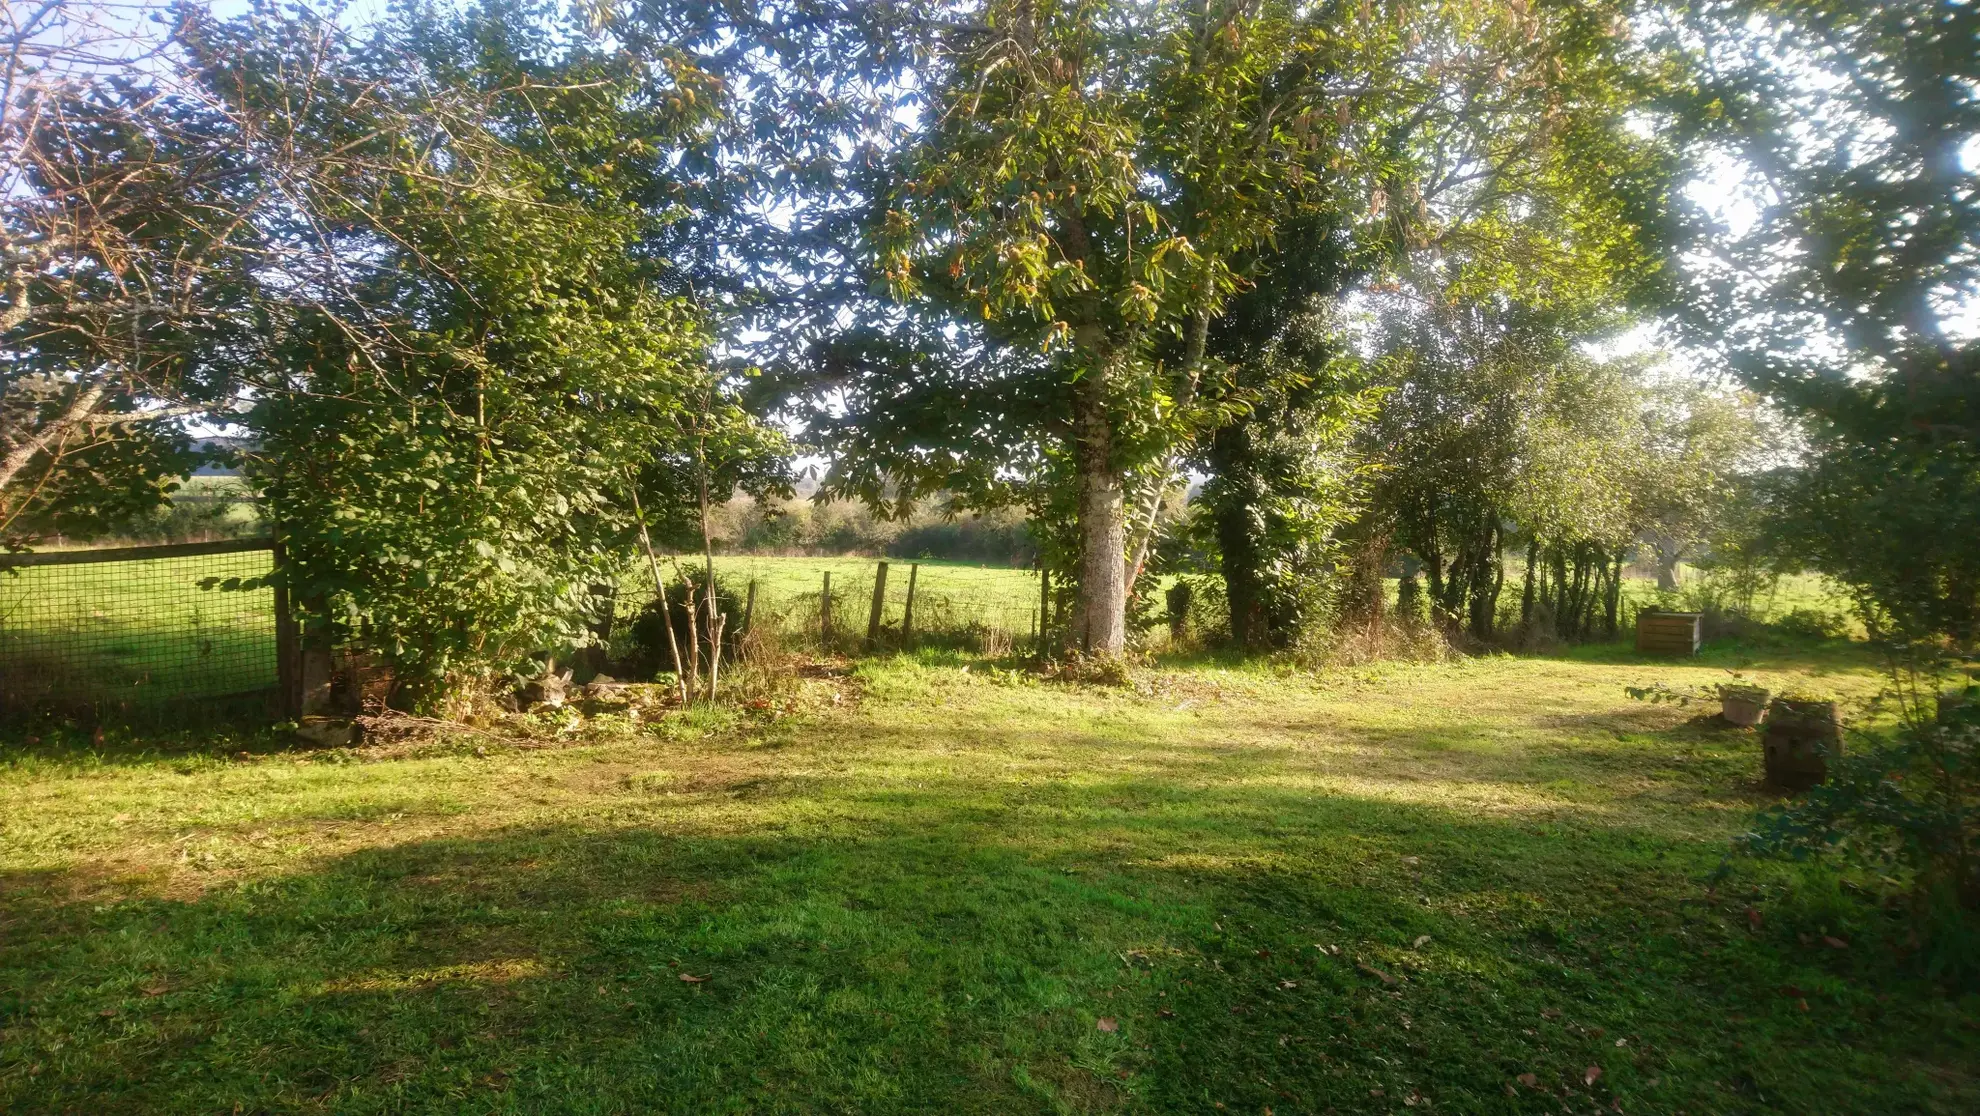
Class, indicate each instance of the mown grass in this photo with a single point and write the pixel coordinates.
(940, 885)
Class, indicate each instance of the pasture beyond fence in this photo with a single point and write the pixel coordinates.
(137, 627)
(853, 605)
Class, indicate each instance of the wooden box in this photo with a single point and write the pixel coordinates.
(1669, 633)
(1801, 740)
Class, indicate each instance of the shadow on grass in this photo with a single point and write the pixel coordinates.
(1117, 945)
(237, 727)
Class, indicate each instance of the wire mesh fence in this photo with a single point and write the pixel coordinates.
(136, 627)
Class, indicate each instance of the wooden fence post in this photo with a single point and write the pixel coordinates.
(825, 611)
(604, 598)
(749, 607)
(288, 645)
(879, 605)
(907, 615)
(1044, 607)
(315, 659)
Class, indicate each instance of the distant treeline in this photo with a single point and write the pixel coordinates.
(803, 526)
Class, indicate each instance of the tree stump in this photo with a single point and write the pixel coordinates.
(1802, 739)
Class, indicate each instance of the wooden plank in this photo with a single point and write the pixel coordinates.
(1670, 623)
(134, 553)
(1668, 633)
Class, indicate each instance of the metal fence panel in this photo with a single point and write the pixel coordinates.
(135, 626)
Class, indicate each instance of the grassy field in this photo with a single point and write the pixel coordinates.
(948, 595)
(135, 631)
(928, 884)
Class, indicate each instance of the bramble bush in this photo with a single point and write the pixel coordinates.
(1906, 810)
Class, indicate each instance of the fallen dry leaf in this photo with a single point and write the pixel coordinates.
(1530, 1080)
(689, 979)
(1550, 1013)
(1753, 919)
(155, 989)
(1420, 942)
(1108, 1024)
(1834, 943)
(1591, 1075)
(1165, 1013)
(1375, 972)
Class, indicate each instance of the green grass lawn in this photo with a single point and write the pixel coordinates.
(940, 886)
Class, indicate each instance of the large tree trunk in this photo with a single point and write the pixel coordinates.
(1612, 606)
(1233, 515)
(1487, 581)
(1100, 619)
(1532, 567)
(1667, 564)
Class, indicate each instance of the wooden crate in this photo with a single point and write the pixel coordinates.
(1801, 740)
(1668, 633)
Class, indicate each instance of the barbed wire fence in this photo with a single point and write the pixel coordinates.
(919, 606)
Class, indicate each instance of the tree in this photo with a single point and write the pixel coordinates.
(1102, 182)
(116, 245)
(451, 438)
(1531, 187)
(1500, 430)
(1285, 479)
(1091, 178)
(1835, 288)
(1701, 449)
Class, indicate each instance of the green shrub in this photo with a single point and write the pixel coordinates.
(1812, 623)
(1906, 810)
(649, 652)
